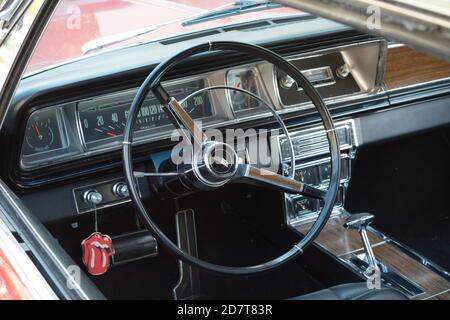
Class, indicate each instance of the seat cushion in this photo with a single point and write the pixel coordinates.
(354, 291)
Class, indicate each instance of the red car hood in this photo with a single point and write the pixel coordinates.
(77, 23)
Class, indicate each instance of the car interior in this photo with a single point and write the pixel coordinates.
(355, 208)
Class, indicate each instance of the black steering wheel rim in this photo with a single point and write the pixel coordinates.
(152, 82)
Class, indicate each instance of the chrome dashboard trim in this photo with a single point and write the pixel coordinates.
(260, 87)
(299, 89)
(347, 152)
(100, 206)
(80, 133)
(314, 130)
(269, 89)
(322, 52)
(64, 136)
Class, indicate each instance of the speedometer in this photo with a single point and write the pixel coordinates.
(103, 120)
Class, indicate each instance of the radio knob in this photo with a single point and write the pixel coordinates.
(343, 71)
(93, 197)
(120, 190)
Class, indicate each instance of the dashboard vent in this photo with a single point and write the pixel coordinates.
(294, 19)
(314, 141)
(190, 37)
(250, 26)
(238, 27)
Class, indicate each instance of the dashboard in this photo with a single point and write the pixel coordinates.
(62, 134)
(82, 128)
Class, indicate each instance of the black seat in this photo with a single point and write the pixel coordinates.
(354, 291)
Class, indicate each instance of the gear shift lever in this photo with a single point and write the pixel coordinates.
(360, 222)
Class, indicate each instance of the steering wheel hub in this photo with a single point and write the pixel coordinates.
(215, 164)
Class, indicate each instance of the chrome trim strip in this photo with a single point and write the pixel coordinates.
(413, 254)
(418, 85)
(437, 294)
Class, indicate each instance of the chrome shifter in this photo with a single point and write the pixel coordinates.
(360, 222)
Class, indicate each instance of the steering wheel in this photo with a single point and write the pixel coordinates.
(204, 172)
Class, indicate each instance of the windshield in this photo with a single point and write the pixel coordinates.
(83, 27)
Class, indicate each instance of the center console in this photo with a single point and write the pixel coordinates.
(313, 167)
(364, 250)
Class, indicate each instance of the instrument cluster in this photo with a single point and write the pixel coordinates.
(102, 121)
(90, 126)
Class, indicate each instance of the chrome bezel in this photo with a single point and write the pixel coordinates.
(141, 135)
(308, 104)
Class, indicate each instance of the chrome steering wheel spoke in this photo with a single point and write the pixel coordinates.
(266, 178)
(140, 174)
(179, 117)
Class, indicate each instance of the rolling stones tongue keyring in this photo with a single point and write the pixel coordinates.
(97, 250)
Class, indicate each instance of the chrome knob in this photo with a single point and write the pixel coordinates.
(343, 71)
(93, 197)
(120, 190)
(287, 82)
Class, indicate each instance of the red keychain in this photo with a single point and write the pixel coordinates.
(97, 253)
(97, 250)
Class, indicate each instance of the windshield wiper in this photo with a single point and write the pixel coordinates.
(238, 7)
(104, 42)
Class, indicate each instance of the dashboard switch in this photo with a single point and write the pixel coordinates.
(120, 190)
(93, 197)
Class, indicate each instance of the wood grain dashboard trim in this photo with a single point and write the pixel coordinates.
(406, 67)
